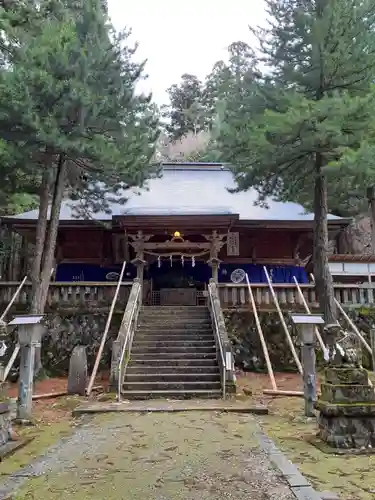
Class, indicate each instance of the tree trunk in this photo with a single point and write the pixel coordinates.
(323, 277)
(371, 204)
(40, 236)
(46, 236)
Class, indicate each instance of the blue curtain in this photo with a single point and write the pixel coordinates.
(201, 272)
(91, 272)
(278, 274)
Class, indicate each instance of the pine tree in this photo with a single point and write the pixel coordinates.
(314, 104)
(186, 112)
(68, 105)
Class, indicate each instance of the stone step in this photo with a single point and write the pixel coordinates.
(151, 362)
(172, 377)
(161, 344)
(182, 385)
(166, 313)
(174, 308)
(168, 336)
(154, 318)
(173, 348)
(178, 356)
(184, 312)
(173, 331)
(183, 325)
(146, 369)
(172, 394)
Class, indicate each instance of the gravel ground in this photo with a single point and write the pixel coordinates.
(156, 456)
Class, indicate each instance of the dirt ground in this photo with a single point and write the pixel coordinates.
(348, 476)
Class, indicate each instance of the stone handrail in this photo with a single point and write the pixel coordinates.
(223, 345)
(92, 295)
(237, 295)
(66, 295)
(121, 347)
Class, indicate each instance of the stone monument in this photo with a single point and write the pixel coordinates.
(77, 379)
(347, 402)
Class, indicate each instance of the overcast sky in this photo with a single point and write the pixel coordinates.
(177, 37)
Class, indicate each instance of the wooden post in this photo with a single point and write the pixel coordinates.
(284, 325)
(261, 336)
(105, 333)
(371, 204)
(309, 368)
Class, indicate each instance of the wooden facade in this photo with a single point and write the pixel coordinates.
(105, 248)
(188, 229)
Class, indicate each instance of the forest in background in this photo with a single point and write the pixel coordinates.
(291, 116)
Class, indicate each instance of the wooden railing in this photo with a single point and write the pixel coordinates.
(80, 295)
(237, 295)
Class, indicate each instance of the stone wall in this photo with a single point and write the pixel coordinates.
(64, 332)
(248, 351)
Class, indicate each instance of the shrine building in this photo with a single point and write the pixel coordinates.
(182, 229)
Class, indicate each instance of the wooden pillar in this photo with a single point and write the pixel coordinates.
(217, 243)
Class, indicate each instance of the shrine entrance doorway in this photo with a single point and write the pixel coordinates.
(175, 267)
(178, 282)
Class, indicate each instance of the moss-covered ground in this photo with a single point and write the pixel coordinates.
(154, 456)
(52, 422)
(351, 477)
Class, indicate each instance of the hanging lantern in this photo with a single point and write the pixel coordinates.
(159, 261)
(193, 261)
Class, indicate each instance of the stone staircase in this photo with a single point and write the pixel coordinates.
(173, 355)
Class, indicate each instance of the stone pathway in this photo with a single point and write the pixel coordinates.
(176, 405)
(156, 456)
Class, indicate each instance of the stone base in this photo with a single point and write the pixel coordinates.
(347, 432)
(329, 450)
(345, 375)
(5, 423)
(347, 409)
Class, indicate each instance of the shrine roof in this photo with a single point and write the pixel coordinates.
(189, 189)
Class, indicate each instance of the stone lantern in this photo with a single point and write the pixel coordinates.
(29, 338)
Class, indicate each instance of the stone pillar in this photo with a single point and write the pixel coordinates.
(29, 338)
(309, 369)
(140, 265)
(214, 263)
